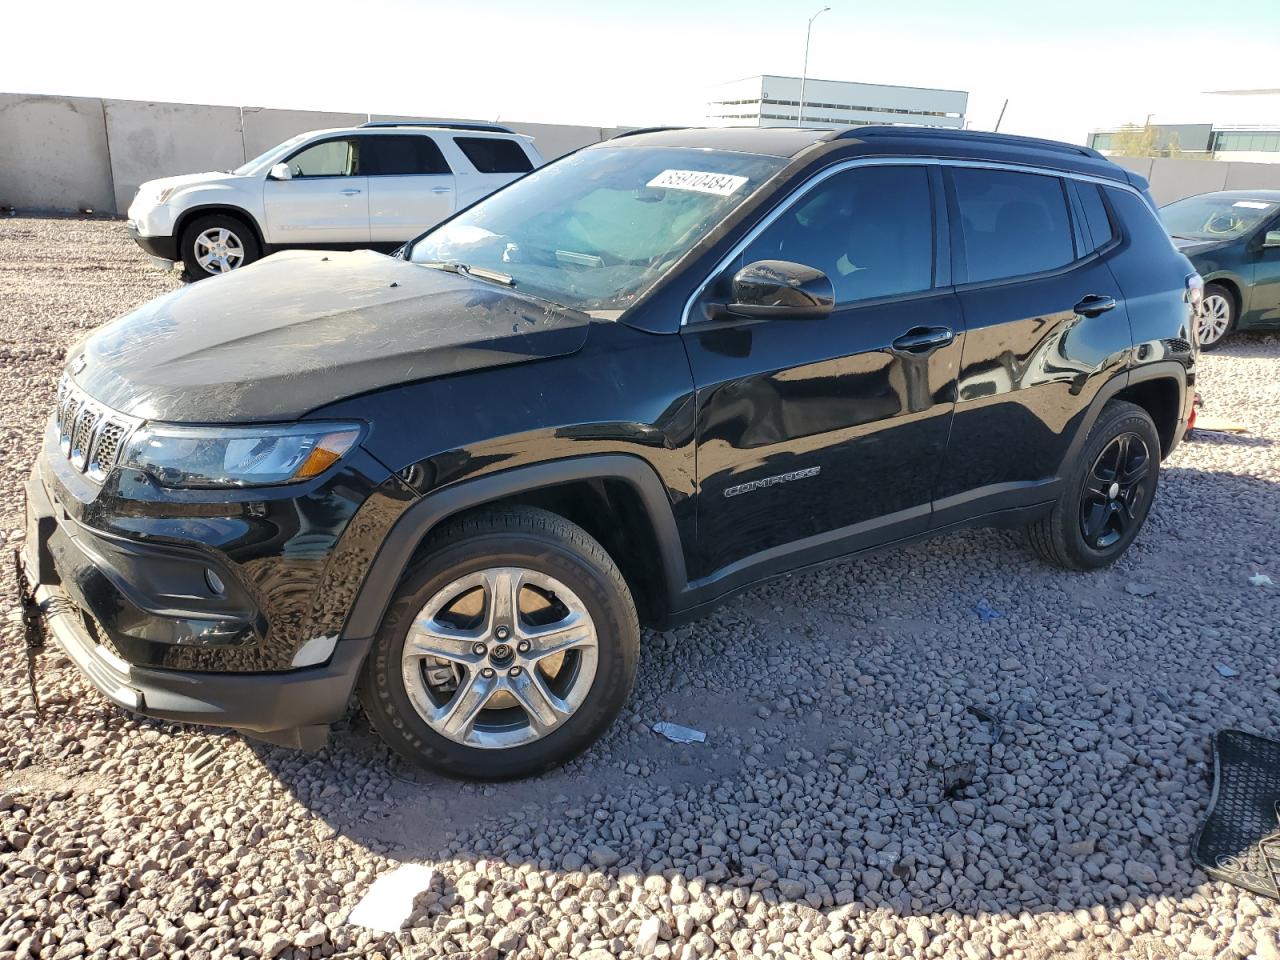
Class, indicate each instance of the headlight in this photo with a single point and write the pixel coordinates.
(176, 456)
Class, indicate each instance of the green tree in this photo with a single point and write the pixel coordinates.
(1135, 140)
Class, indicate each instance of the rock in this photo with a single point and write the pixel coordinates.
(603, 857)
(1139, 872)
(1079, 848)
(792, 889)
(647, 936)
(312, 937)
(918, 933)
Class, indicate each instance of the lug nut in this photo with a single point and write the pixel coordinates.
(523, 646)
(479, 649)
(513, 672)
(487, 673)
(502, 633)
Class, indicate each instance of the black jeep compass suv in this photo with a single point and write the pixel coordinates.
(660, 370)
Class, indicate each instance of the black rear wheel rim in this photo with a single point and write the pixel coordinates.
(1115, 491)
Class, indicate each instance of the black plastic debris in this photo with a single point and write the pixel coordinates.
(1239, 841)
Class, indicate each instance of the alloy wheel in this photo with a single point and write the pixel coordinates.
(218, 250)
(500, 657)
(1214, 320)
(1115, 490)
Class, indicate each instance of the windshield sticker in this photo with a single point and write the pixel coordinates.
(721, 184)
(1252, 204)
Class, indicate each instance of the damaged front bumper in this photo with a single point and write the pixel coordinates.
(292, 707)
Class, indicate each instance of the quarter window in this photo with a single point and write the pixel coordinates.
(1095, 214)
(332, 158)
(387, 156)
(1012, 223)
(870, 230)
(494, 155)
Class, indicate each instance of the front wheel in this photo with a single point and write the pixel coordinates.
(1217, 316)
(508, 649)
(1106, 497)
(217, 244)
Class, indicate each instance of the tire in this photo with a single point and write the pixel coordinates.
(1218, 317)
(546, 561)
(240, 246)
(1113, 503)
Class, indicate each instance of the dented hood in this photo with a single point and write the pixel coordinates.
(300, 330)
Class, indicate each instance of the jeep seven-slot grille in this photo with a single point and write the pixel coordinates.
(90, 435)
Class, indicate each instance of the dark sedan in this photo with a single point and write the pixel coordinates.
(1233, 238)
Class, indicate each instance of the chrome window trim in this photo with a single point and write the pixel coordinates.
(885, 161)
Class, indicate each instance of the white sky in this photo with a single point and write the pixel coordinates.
(1066, 68)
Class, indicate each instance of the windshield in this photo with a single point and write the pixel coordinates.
(597, 229)
(268, 157)
(1214, 217)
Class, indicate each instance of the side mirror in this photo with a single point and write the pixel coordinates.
(780, 288)
(1272, 239)
(281, 171)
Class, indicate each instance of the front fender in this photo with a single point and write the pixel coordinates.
(430, 511)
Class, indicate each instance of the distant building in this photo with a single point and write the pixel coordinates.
(769, 101)
(1249, 143)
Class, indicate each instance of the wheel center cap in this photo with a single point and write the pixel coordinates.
(1114, 491)
(500, 653)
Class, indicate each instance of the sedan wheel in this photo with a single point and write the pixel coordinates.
(1215, 319)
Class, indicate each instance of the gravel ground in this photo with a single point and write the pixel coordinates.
(847, 802)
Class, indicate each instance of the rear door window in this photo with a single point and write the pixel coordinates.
(494, 155)
(393, 156)
(1012, 224)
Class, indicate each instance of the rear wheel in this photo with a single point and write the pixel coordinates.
(1106, 498)
(217, 244)
(1217, 316)
(508, 649)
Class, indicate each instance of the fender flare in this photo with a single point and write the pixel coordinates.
(200, 209)
(1159, 370)
(427, 513)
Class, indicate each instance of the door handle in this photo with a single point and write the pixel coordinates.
(441, 189)
(919, 341)
(349, 192)
(1094, 305)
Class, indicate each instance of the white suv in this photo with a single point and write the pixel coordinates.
(376, 185)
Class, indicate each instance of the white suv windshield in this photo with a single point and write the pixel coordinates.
(597, 229)
(268, 158)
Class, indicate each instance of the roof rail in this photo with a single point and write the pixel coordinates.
(444, 124)
(980, 136)
(639, 130)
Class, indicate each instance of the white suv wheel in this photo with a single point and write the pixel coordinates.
(218, 250)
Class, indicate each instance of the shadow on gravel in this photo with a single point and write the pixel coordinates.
(1223, 439)
(875, 746)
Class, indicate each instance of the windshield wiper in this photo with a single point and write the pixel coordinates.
(479, 273)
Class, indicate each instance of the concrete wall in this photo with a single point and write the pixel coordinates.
(1172, 179)
(264, 128)
(53, 154)
(73, 153)
(150, 140)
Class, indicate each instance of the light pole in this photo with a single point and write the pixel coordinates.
(804, 73)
